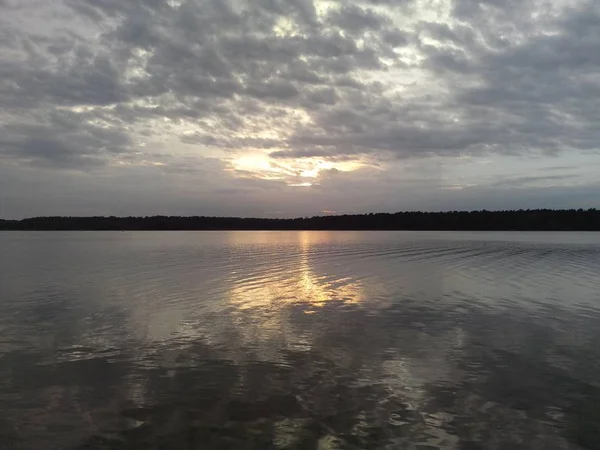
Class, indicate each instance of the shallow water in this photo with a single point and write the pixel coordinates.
(299, 340)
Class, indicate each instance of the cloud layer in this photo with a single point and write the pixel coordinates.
(222, 99)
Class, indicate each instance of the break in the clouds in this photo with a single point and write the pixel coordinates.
(296, 107)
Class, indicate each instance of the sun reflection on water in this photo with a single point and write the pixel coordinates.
(298, 282)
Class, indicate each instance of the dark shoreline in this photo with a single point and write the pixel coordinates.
(516, 220)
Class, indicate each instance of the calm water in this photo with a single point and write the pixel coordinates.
(299, 340)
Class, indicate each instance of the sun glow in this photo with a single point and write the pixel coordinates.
(295, 172)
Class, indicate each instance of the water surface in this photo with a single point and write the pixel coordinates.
(299, 340)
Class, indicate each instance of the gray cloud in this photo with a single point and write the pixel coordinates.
(515, 182)
(538, 94)
(356, 20)
(61, 140)
(87, 83)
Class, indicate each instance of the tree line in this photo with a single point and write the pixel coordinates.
(523, 220)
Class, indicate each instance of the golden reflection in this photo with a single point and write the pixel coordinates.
(288, 280)
(320, 290)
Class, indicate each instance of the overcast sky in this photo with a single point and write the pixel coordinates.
(297, 107)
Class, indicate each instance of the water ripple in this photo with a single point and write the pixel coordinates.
(316, 340)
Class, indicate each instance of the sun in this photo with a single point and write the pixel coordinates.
(300, 172)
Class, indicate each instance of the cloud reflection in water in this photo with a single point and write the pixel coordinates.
(202, 340)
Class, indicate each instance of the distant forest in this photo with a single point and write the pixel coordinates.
(524, 220)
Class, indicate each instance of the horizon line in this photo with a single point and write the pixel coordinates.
(450, 211)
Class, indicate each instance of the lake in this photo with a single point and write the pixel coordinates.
(299, 340)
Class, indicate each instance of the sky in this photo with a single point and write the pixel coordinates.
(285, 108)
